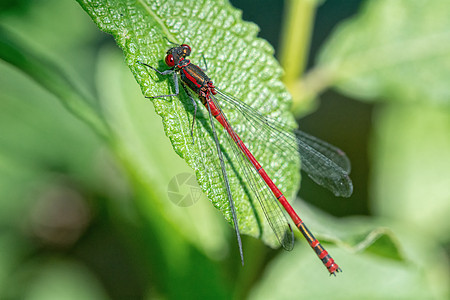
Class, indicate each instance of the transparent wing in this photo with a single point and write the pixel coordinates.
(227, 185)
(325, 164)
(259, 190)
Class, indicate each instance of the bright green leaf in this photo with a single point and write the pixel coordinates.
(238, 62)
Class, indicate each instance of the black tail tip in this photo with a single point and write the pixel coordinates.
(337, 270)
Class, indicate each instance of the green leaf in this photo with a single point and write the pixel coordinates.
(137, 130)
(37, 143)
(374, 265)
(54, 79)
(363, 277)
(396, 50)
(238, 63)
(412, 167)
(357, 234)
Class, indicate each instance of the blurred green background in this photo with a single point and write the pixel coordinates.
(78, 220)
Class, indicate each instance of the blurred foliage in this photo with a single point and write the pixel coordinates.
(84, 211)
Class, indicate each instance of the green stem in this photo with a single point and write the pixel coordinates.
(296, 37)
(295, 42)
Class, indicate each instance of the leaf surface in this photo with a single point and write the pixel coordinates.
(238, 62)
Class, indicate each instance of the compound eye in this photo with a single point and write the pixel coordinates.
(187, 49)
(169, 60)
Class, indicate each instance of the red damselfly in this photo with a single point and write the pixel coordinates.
(324, 163)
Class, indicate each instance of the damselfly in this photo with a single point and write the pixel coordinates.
(324, 163)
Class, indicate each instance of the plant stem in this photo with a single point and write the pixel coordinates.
(295, 42)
